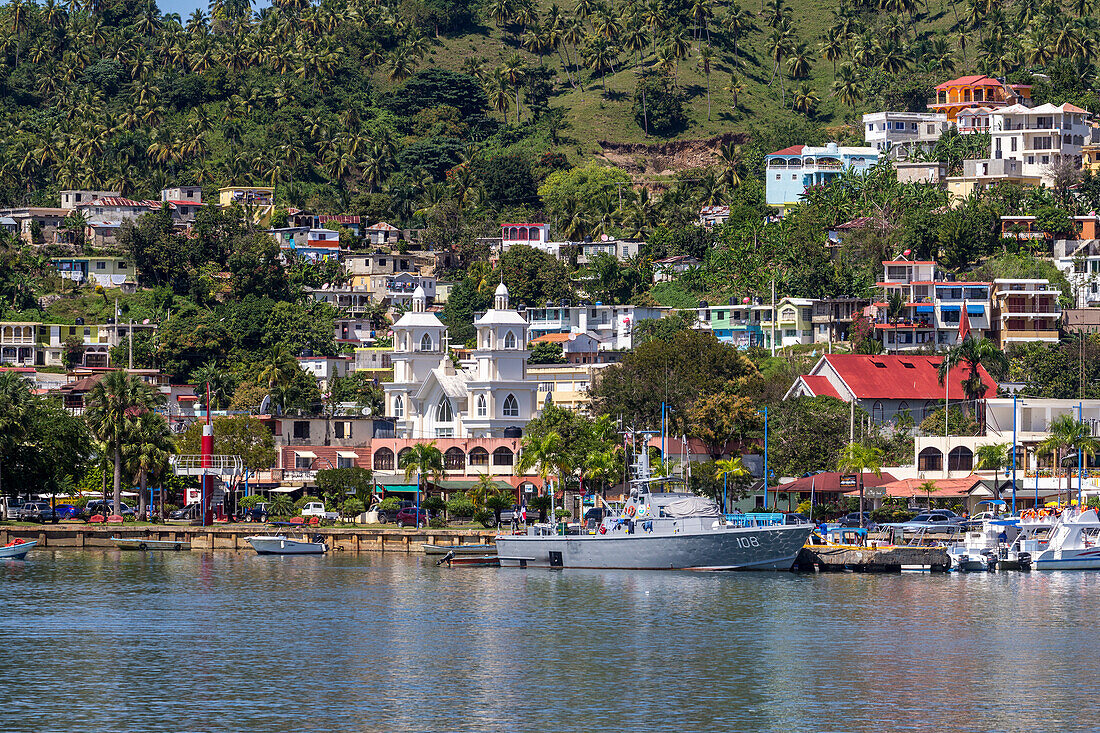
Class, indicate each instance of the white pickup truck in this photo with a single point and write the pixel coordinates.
(317, 509)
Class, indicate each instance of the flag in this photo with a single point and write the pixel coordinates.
(964, 324)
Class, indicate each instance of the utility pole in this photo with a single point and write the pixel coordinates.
(774, 316)
(130, 350)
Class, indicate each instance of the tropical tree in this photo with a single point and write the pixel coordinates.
(15, 409)
(805, 99)
(547, 455)
(973, 353)
(146, 454)
(116, 402)
(729, 467)
(929, 488)
(422, 459)
(859, 458)
(706, 60)
(278, 372)
(993, 458)
(1068, 435)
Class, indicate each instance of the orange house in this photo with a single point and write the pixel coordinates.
(978, 91)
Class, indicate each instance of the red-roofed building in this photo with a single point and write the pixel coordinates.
(886, 386)
(826, 487)
(977, 90)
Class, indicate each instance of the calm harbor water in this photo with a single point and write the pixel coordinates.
(110, 641)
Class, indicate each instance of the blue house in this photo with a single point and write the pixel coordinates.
(792, 170)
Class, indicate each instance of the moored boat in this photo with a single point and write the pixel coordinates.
(283, 545)
(460, 549)
(17, 549)
(1074, 543)
(659, 530)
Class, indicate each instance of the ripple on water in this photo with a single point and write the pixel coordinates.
(238, 642)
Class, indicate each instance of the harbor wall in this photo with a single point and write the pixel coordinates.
(232, 537)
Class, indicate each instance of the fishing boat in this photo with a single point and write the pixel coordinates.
(460, 549)
(283, 545)
(989, 546)
(659, 529)
(144, 545)
(469, 561)
(17, 549)
(1074, 543)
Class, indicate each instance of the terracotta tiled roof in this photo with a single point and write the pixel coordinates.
(975, 80)
(948, 487)
(553, 338)
(792, 150)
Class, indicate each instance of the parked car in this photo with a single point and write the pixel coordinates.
(258, 513)
(317, 509)
(388, 515)
(409, 516)
(12, 508)
(107, 508)
(191, 511)
(852, 520)
(931, 521)
(38, 511)
(67, 511)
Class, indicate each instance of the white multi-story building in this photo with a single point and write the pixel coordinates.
(899, 134)
(932, 306)
(1039, 136)
(612, 325)
(432, 398)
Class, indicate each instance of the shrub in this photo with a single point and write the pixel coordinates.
(562, 513)
(485, 518)
(460, 506)
(390, 504)
(433, 505)
(436, 523)
(168, 508)
(250, 501)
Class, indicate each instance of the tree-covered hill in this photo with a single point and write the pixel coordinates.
(342, 101)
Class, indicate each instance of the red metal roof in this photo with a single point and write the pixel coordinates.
(909, 487)
(820, 386)
(975, 80)
(793, 150)
(339, 218)
(901, 377)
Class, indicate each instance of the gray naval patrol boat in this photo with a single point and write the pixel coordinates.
(659, 529)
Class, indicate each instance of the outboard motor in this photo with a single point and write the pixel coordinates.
(1024, 559)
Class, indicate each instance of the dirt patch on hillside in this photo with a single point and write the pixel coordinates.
(666, 158)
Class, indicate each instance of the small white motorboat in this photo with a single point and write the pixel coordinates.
(283, 545)
(16, 549)
(1074, 543)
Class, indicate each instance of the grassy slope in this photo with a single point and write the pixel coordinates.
(598, 115)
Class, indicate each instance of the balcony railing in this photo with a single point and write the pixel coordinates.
(1031, 334)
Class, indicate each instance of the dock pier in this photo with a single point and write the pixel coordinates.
(353, 539)
(824, 558)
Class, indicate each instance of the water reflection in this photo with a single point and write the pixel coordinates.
(238, 642)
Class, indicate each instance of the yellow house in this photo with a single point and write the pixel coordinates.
(566, 385)
(794, 324)
(257, 201)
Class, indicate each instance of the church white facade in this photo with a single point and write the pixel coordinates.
(431, 398)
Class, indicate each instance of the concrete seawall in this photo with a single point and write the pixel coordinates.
(231, 537)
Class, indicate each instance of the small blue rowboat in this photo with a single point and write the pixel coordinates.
(16, 549)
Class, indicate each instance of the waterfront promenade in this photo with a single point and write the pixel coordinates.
(352, 539)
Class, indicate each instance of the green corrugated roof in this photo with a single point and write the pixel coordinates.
(407, 488)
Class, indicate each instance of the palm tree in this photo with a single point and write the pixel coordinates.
(846, 87)
(546, 454)
(805, 99)
(974, 353)
(729, 467)
(859, 458)
(15, 407)
(993, 458)
(706, 58)
(730, 156)
(482, 491)
(277, 372)
(1067, 434)
(601, 466)
(149, 445)
(800, 61)
(832, 49)
(929, 488)
(735, 87)
(895, 309)
(420, 460)
(116, 403)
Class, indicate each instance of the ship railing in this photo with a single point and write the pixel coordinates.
(755, 519)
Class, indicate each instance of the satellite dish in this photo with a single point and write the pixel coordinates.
(366, 411)
(265, 403)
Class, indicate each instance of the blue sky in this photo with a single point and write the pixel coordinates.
(186, 7)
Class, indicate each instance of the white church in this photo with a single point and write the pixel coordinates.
(431, 398)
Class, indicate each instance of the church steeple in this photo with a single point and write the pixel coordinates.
(500, 298)
(419, 300)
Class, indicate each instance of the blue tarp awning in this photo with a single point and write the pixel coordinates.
(924, 309)
(949, 308)
(975, 310)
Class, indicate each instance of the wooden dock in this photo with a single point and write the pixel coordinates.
(231, 537)
(872, 559)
